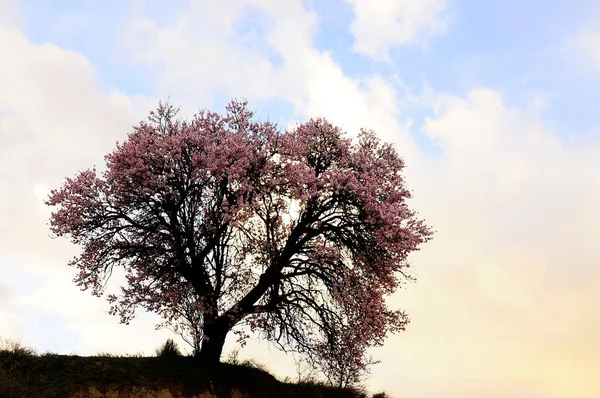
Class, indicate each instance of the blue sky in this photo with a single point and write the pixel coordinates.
(519, 48)
(491, 103)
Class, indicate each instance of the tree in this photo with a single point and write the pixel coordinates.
(223, 220)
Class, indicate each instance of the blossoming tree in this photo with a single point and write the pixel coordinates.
(222, 221)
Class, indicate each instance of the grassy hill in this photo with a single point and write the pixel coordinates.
(26, 374)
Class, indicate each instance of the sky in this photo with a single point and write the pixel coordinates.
(492, 104)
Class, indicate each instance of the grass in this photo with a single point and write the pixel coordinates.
(26, 374)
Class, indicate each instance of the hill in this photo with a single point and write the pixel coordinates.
(25, 374)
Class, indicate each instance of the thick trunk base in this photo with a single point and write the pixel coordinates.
(212, 345)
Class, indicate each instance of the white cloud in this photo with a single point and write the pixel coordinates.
(380, 25)
(10, 14)
(194, 68)
(54, 120)
(588, 45)
(584, 44)
(9, 325)
(508, 285)
(5, 293)
(310, 80)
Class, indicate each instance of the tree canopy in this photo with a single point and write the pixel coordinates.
(224, 220)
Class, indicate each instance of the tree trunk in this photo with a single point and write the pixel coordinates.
(212, 343)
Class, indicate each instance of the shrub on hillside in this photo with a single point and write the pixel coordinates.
(169, 349)
(381, 395)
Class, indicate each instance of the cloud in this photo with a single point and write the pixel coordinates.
(588, 45)
(508, 285)
(583, 44)
(194, 68)
(380, 25)
(10, 14)
(5, 293)
(310, 80)
(54, 120)
(9, 325)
